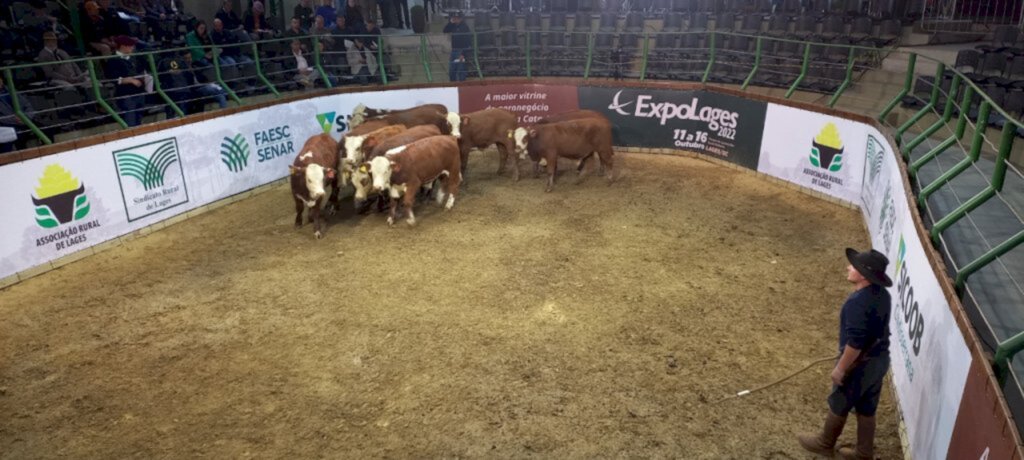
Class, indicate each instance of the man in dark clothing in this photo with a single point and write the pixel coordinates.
(9, 120)
(130, 86)
(295, 32)
(863, 358)
(231, 21)
(304, 11)
(179, 81)
(402, 7)
(462, 43)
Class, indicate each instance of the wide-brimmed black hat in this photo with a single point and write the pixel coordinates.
(871, 264)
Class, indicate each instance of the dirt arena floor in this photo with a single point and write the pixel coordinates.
(590, 322)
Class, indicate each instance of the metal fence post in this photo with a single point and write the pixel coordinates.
(803, 70)
(423, 58)
(846, 82)
(159, 89)
(99, 95)
(643, 62)
(711, 58)
(757, 64)
(259, 70)
(316, 60)
(911, 63)
(220, 78)
(16, 105)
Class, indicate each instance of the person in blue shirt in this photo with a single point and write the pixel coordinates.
(863, 358)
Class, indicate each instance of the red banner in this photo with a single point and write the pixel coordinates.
(529, 102)
(980, 432)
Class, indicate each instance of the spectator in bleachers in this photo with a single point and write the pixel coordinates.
(371, 34)
(256, 22)
(326, 9)
(117, 23)
(231, 50)
(362, 62)
(321, 30)
(10, 121)
(229, 17)
(354, 16)
(132, 8)
(304, 11)
(305, 74)
(60, 72)
(161, 25)
(131, 84)
(96, 33)
(176, 10)
(462, 42)
(179, 80)
(296, 32)
(39, 20)
(401, 8)
(200, 45)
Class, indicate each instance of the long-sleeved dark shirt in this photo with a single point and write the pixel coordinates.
(462, 36)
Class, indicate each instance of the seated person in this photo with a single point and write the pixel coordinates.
(326, 9)
(9, 121)
(362, 62)
(60, 72)
(256, 23)
(305, 74)
(296, 32)
(96, 33)
(231, 50)
(178, 79)
(131, 83)
(199, 43)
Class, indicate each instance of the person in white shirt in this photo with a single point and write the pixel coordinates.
(362, 61)
(305, 74)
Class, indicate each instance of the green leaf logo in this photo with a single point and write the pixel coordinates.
(837, 163)
(149, 171)
(326, 120)
(815, 155)
(234, 152)
(901, 254)
(60, 198)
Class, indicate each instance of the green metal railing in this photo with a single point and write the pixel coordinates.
(718, 50)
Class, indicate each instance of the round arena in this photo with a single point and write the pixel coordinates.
(523, 229)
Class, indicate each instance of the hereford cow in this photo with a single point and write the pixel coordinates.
(576, 139)
(370, 140)
(361, 175)
(403, 170)
(313, 169)
(362, 113)
(445, 121)
(483, 129)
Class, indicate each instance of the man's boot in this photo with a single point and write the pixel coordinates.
(865, 440)
(824, 443)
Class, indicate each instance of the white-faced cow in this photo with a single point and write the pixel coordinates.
(416, 116)
(576, 139)
(361, 179)
(483, 129)
(351, 160)
(403, 170)
(312, 171)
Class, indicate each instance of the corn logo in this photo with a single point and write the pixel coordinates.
(60, 198)
(827, 149)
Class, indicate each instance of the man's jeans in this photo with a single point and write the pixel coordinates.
(457, 70)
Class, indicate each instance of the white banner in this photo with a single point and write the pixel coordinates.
(930, 359)
(63, 203)
(817, 151)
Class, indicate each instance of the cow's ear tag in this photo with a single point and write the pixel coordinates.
(511, 134)
(362, 169)
(330, 174)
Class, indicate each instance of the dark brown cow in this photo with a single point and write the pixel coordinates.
(403, 170)
(485, 128)
(313, 169)
(576, 139)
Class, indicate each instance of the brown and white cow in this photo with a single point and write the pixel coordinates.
(361, 179)
(446, 122)
(576, 139)
(484, 128)
(312, 171)
(362, 113)
(351, 160)
(403, 170)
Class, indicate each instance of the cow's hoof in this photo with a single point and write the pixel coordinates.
(391, 221)
(331, 210)
(547, 190)
(318, 234)
(411, 222)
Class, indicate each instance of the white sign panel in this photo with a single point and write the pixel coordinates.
(63, 203)
(820, 152)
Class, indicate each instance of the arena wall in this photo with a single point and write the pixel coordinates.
(64, 203)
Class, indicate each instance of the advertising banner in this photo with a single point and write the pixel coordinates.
(719, 125)
(817, 151)
(529, 102)
(67, 202)
(930, 359)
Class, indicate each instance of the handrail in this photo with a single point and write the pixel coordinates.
(846, 82)
(423, 58)
(972, 157)
(259, 70)
(529, 73)
(380, 62)
(590, 56)
(99, 95)
(803, 70)
(220, 78)
(643, 62)
(16, 105)
(954, 87)
(757, 65)
(317, 61)
(932, 101)
(907, 84)
(916, 166)
(711, 58)
(159, 88)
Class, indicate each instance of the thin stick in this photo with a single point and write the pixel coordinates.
(762, 387)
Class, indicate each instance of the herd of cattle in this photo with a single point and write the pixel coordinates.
(397, 154)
